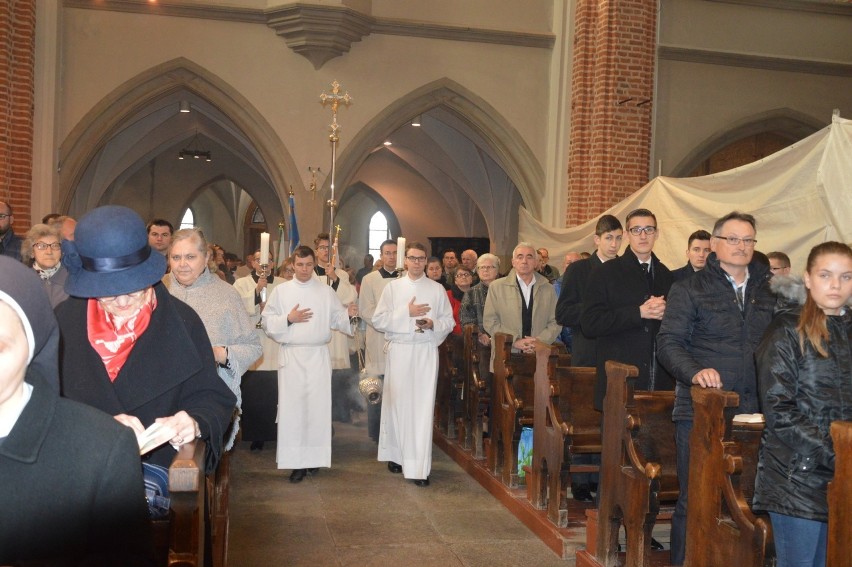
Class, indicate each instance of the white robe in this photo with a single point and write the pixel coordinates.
(246, 287)
(411, 372)
(339, 345)
(304, 370)
(371, 291)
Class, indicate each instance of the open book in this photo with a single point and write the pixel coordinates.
(153, 437)
(749, 418)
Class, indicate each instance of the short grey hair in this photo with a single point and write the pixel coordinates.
(488, 257)
(522, 245)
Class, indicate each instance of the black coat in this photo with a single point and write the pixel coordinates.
(570, 307)
(171, 368)
(71, 486)
(704, 328)
(802, 393)
(683, 272)
(611, 315)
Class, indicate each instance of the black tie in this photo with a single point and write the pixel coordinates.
(648, 275)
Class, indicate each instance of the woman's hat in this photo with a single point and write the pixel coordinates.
(110, 255)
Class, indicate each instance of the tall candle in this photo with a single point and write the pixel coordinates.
(264, 248)
(400, 253)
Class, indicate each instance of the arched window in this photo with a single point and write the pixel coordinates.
(188, 220)
(377, 233)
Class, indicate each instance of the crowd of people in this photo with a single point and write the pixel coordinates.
(176, 340)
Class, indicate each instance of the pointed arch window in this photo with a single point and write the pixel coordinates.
(188, 220)
(377, 233)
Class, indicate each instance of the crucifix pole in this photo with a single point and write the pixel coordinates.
(335, 99)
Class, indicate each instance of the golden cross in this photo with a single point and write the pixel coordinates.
(335, 98)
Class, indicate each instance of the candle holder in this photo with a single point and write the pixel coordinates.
(262, 272)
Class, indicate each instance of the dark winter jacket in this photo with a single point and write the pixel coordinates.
(171, 368)
(570, 307)
(611, 315)
(704, 328)
(802, 393)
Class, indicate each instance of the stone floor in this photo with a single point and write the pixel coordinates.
(359, 514)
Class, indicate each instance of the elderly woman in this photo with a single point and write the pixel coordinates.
(287, 271)
(236, 344)
(70, 479)
(129, 349)
(488, 268)
(43, 251)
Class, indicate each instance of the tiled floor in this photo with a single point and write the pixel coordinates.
(359, 514)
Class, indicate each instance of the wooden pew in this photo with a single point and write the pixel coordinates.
(513, 402)
(218, 489)
(721, 528)
(638, 471)
(565, 424)
(477, 381)
(839, 498)
(448, 402)
(179, 541)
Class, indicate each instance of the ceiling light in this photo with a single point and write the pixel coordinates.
(184, 106)
(195, 150)
(416, 121)
(388, 143)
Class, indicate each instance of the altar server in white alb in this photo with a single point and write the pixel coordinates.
(416, 317)
(300, 315)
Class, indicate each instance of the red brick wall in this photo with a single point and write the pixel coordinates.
(17, 55)
(612, 86)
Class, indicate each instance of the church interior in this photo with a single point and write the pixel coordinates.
(452, 117)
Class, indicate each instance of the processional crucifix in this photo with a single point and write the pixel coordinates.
(335, 98)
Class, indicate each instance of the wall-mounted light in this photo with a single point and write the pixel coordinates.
(184, 106)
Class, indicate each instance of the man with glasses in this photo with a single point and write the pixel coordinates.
(372, 287)
(712, 325)
(339, 346)
(414, 313)
(779, 263)
(10, 243)
(624, 302)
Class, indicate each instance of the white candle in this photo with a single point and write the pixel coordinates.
(264, 248)
(400, 253)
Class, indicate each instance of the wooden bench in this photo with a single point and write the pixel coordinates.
(839, 497)
(721, 528)
(179, 540)
(477, 381)
(513, 403)
(565, 424)
(638, 482)
(448, 395)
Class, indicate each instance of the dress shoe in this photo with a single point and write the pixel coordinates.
(656, 546)
(394, 467)
(297, 475)
(257, 445)
(422, 482)
(581, 493)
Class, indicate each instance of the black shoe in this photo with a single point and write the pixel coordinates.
(257, 445)
(422, 482)
(297, 475)
(593, 486)
(656, 546)
(394, 467)
(581, 493)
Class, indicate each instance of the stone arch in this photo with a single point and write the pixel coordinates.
(515, 156)
(109, 115)
(785, 121)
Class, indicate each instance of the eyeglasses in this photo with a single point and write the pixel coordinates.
(416, 258)
(480, 268)
(735, 241)
(322, 247)
(463, 275)
(4, 216)
(637, 230)
(42, 246)
(778, 269)
(133, 295)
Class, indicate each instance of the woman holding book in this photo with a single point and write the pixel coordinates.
(131, 350)
(805, 381)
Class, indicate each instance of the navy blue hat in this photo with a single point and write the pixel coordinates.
(110, 255)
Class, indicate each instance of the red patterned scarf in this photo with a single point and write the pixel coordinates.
(113, 344)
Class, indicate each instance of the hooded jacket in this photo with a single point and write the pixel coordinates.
(802, 394)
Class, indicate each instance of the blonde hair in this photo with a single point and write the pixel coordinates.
(37, 232)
